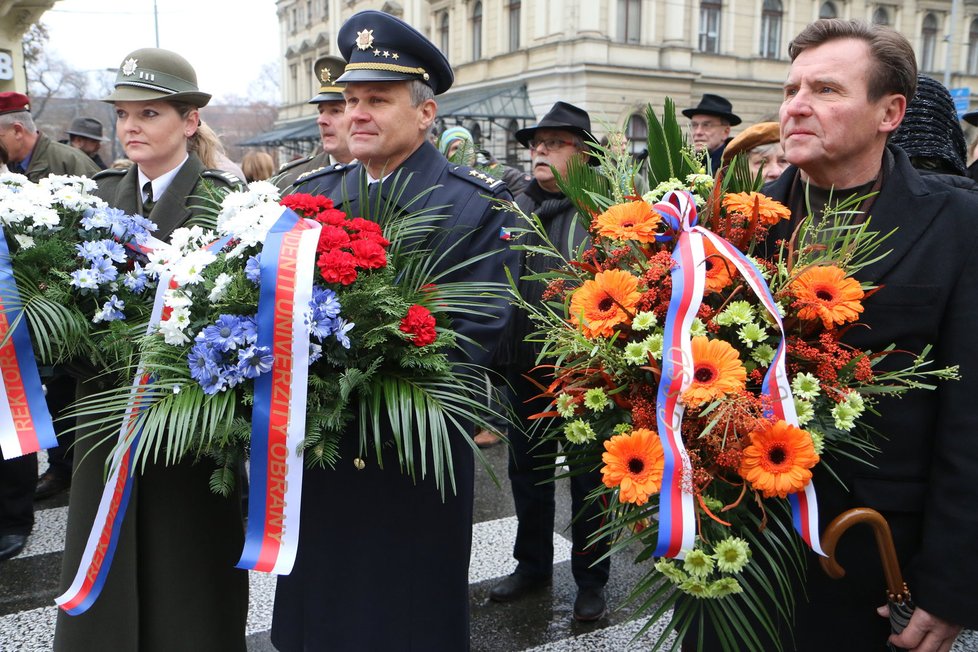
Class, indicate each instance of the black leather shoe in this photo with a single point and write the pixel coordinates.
(516, 586)
(50, 484)
(11, 545)
(589, 605)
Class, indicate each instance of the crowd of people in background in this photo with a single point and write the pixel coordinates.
(924, 148)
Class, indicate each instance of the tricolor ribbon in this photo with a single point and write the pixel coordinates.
(279, 417)
(25, 422)
(96, 559)
(677, 524)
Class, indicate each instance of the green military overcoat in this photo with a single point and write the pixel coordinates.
(51, 157)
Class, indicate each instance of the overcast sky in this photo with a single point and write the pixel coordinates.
(226, 41)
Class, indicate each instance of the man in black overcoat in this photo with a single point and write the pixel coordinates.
(846, 92)
(383, 561)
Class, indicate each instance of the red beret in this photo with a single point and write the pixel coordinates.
(11, 102)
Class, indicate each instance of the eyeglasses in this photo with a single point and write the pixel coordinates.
(694, 125)
(552, 144)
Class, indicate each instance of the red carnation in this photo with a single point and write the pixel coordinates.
(332, 237)
(332, 217)
(369, 254)
(338, 266)
(307, 205)
(365, 226)
(421, 323)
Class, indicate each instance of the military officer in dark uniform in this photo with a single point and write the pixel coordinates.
(172, 584)
(383, 560)
(86, 134)
(334, 127)
(36, 156)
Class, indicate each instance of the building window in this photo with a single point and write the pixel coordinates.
(771, 15)
(881, 16)
(477, 31)
(710, 26)
(293, 20)
(294, 80)
(637, 133)
(308, 12)
(973, 48)
(828, 10)
(513, 147)
(514, 25)
(443, 32)
(928, 42)
(629, 21)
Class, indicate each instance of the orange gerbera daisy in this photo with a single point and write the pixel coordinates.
(717, 371)
(778, 460)
(634, 464)
(825, 293)
(769, 211)
(598, 306)
(717, 268)
(634, 220)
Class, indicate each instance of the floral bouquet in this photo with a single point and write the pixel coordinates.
(706, 382)
(72, 282)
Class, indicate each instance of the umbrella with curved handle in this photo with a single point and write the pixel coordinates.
(897, 593)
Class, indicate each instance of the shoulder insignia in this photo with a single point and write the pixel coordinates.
(305, 175)
(475, 176)
(323, 171)
(288, 165)
(226, 177)
(109, 172)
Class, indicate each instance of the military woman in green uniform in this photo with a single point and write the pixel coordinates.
(172, 584)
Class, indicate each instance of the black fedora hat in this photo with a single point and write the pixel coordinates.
(86, 128)
(971, 117)
(565, 117)
(711, 104)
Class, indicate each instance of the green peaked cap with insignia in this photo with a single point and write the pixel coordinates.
(156, 74)
(327, 70)
(380, 48)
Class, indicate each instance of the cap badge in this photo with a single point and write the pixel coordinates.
(325, 76)
(365, 39)
(129, 67)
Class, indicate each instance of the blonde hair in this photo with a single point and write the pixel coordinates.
(257, 166)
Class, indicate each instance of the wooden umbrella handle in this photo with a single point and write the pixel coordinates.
(884, 542)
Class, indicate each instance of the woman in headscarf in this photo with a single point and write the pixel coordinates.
(172, 584)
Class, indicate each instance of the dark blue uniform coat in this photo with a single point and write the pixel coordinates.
(382, 562)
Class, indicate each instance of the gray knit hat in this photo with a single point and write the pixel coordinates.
(930, 130)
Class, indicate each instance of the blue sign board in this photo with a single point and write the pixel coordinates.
(962, 99)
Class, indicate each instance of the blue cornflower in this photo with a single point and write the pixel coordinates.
(111, 310)
(115, 251)
(212, 382)
(315, 352)
(253, 270)
(249, 329)
(254, 361)
(91, 250)
(201, 362)
(325, 302)
(105, 271)
(139, 228)
(232, 375)
(342, 328)
(225, 334)
(95, 219)
(135, 280)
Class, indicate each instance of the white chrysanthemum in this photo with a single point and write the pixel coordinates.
(249, 226)
(25, 241)
(189, 270)
(265, 190)
(194, 237)
(221, 284)
(176, 298)
(174, 328)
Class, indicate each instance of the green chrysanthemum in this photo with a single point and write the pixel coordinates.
(737, 312)
(763, 269)
(804, 410)
(653, 345)
(723, 587)
(671, 571)
(579, 432)
(698, 563)
(732, 554)
(697, 328)
(636, 353)
(622, 428)
(844, 416)
(566, 405)
(806, 386)
(696, 588)
(751, 334)
(644, 321)
(818, 441)
(596, 399)
(855, 401)
(763, 355)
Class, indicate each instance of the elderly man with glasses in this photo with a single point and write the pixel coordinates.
(710, 123)
(562, 135)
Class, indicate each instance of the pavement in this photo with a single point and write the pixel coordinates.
(539, 623)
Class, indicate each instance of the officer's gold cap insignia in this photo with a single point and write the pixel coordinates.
(325, 76)
(129, 66)
(365, 39)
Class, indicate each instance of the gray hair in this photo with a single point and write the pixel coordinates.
(420, 92)
(763, 150)
(8, 120)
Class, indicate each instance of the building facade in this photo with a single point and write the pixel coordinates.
(16, 17)
(514, 58)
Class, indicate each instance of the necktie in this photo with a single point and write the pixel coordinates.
(148, 203)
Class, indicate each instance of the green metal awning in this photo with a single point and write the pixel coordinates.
(504, 102)
(303, 129)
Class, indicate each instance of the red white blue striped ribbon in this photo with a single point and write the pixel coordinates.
(96, 559)
(279, 415)
(25, 422)
(677, 527)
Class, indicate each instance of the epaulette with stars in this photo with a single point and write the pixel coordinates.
(224, 178)
(480, 179)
